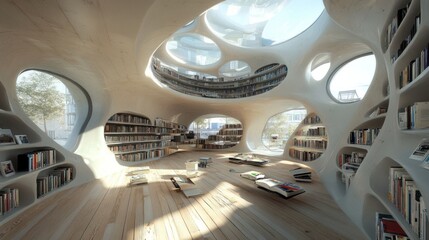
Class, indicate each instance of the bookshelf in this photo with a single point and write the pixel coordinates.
(310, 140)
(265, 79)
(381, 135)
(228, 136)
(133, 138)
(20, 188)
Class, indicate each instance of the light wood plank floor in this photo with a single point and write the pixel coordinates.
(230, 208)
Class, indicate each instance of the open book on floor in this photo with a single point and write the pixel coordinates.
(248, 158)
(286, 189)
(187, 186)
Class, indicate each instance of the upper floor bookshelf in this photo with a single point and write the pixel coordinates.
(264, 80)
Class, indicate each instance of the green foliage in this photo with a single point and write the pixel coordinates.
(39, 97)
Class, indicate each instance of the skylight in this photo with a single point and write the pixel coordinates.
(262, 23)
(193, 49)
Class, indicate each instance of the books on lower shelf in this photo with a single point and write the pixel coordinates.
(286, 189)
(406, 197)
(415, 116)
(55, 179)
(388, 228)
(252, 175)
(9, 200)
(248, 158)
(301, 174)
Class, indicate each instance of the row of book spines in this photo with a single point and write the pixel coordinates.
(319, 131)
(404, 44)
(395, 23)
(134, 129)
(133, 138)
(230, 125)
(218, 146)
(131, 148)
(9, 199)
(354, 157)
(415, 116)
(36, 160)
(224, 138)
(406, 197)
(236, 92)
(312, 120)
(414, 68)
(268, 74)
(57, 178)
(304, 155)
(230, 132)
(318, 144)
(141, 156)
(363, 136)
(388, 228)
(129, 118)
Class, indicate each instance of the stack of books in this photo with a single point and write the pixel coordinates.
(139, 175)
(301, 174)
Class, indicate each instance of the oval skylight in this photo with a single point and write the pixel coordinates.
(234, 69)
(193, 49)
(351, 81)
(262, 23)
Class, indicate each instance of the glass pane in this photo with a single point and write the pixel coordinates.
(48, 103)
(351, 82)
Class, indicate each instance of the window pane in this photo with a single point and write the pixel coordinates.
(280, 127)
(49, 103)
(350, 82)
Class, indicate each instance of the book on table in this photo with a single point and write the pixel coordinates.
(286, 189)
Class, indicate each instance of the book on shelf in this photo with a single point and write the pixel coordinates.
(421, 151)
(286, 189)
(415, 116)
(36, 159)
(9, 199)
(252, 175)
(388, 228)
(407, 198)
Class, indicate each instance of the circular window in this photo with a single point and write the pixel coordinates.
(351, 81)
(193, 49)
(262, 23)
(55, 104)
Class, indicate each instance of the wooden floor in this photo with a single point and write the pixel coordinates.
(231, 207)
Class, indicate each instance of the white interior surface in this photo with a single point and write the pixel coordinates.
(106, 47)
